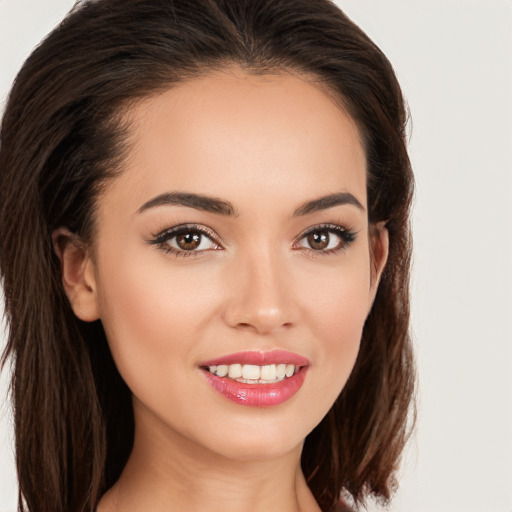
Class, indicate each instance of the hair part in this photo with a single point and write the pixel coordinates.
(64, 135)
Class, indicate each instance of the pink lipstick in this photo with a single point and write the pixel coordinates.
(257, 379)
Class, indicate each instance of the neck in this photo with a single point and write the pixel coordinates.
(168, 472)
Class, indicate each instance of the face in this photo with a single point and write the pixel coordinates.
(235, 240)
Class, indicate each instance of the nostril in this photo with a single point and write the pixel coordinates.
(244, 325)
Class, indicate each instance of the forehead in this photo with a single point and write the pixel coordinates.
(232, 134)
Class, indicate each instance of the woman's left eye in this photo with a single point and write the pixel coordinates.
(185, 240)
(328, 238)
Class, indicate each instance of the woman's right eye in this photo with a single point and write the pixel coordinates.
(186, 240)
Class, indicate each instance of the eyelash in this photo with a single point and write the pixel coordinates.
(162, 239)
(347, 237)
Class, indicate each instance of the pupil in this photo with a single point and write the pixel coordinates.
(319, 240)
(189, 241)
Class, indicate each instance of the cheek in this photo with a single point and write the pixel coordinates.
(337, 306)
(337, 298)
(150, 316)
(341, 335)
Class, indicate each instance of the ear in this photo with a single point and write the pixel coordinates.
(78, 276)
(379, 250)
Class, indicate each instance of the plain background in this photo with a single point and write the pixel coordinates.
(454, 61)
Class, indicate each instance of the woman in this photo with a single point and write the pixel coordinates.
(205, 255)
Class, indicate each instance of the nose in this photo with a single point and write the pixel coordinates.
(261, 297)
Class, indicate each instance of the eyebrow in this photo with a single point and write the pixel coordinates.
(325, 202)
(197, 201)
(222, 207)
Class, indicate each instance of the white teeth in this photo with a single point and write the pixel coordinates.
(222, 370)
(235, 371)
(252, 373)
(268, 372)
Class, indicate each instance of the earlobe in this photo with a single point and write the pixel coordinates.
(379, 241)
(77, 271)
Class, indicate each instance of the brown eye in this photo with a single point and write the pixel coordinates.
(319, 240)
(189, 241)
(186, 240)
(326, 239)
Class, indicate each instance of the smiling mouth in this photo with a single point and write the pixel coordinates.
(254, 374)
(255, 378)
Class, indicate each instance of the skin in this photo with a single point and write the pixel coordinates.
(267, 144)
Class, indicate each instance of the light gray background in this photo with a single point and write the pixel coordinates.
(454, 60)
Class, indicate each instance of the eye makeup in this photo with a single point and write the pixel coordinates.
(325, 239)
(185, 240)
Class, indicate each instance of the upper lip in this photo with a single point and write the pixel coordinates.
(259, 358)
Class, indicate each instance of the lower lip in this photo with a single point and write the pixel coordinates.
(257, 395)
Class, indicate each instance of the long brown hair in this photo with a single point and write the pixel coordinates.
(62, 139)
